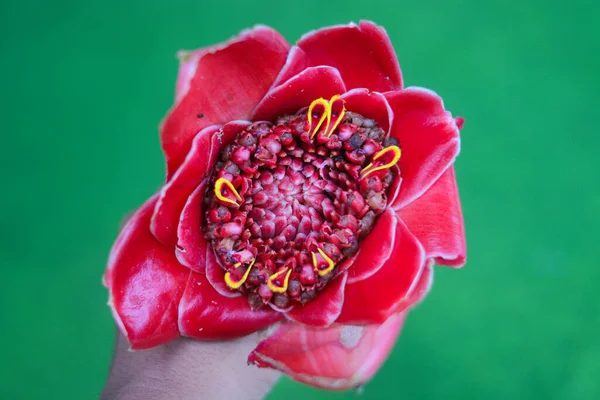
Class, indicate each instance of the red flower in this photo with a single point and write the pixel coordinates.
(326, 219)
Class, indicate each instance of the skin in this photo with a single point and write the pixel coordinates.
(186, 369)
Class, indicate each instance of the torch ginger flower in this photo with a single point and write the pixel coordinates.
(307, 192)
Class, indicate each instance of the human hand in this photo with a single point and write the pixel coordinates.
(186, 369)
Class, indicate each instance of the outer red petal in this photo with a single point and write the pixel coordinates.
(197, 165)
(191, 244)
(205, 314)
(363, 54)
(428, 137)
(371, 105)
(436, 220)
(337, 358)
(375, 249)
(374, 299)
(227, 82)
(325, 309)
(145, 283)
(299, 91)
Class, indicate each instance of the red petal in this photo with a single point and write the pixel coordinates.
(175, 193)
(197, 165)
(188, 62)
(374, 299)
(296, 62)
(191, 244)
(428, 137)
(216, 276)
(436, 220)
(421, 289)
(326, 308)
(337, 358)
(228, 82)
(371, 105)
(375, 249)
(363, 54)
(299, 91)
(145, 283)
(205, 314)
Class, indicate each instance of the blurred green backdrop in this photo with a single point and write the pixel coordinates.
(84, 84)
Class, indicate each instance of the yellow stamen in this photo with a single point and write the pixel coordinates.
(336, 106)
(283, 288)
(370, 169)
(219, 191)
(325, 114)
(330, 263)
(236, 284)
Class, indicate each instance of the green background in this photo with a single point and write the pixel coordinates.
(84, 85)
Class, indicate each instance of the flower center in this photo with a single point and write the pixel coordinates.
(291, 200)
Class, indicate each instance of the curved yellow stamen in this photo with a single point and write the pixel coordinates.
(325, 115)
(334, 106)
(219, 191)
(283, 288)
(236, 284)
(369, 168)
(330, 263)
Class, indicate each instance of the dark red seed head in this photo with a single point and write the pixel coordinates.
(304, 205)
